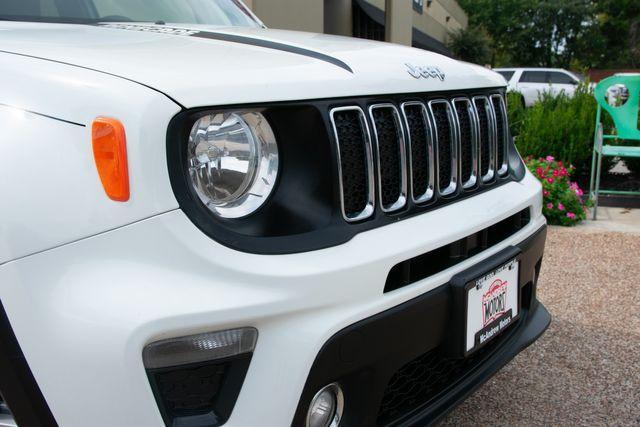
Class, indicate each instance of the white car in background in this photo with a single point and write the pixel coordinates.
(533, 82)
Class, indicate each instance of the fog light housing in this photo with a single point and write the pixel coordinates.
(325, 409)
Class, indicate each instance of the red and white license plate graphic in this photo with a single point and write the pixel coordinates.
(492, 304)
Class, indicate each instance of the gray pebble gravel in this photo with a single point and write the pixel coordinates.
(585, 370)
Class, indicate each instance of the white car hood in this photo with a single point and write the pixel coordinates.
(205, 66)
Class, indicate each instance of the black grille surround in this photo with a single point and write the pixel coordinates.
(312, 206)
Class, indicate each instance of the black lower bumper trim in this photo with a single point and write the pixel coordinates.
(364, 357)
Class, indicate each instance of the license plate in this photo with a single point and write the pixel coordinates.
(492, 305)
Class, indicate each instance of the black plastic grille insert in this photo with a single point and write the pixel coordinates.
(419, 135)
(466, 140)
(443, 127)
(353, 160)
(500, 129)
(485, 138)
(388, 139)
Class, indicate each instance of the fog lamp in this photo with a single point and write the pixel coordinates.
(326, 407)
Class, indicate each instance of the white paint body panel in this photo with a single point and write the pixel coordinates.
(50, 192)
(88, 308)
(88, 282)
(202, 72)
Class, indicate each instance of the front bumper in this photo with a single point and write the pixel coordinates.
(394, 367)
(83, 312)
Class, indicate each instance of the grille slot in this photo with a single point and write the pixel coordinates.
(468, 131)
(446, 143)
(355, 162)
(420, 139)
(487, 140)
(390, 146)
(497, 102)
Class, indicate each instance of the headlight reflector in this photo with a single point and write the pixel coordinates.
(232, 161)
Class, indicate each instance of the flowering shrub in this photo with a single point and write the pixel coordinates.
(562, 204)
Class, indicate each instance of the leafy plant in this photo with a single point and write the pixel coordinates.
(561, 198)
(471, 44)
(558, 126)
(516, 111)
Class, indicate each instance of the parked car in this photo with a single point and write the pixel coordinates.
(533, 82)
(208, 222)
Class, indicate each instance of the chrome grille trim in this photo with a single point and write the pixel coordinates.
(370, 206)
(453, 178)
(428, 194)
(501, 145)
(488, 177)
(475, 140)
(401, 201)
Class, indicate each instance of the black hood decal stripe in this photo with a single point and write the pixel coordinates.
(272, 45)
(232, 38)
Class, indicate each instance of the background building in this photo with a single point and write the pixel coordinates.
(420, 23)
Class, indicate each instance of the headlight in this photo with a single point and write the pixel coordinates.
(233, 162)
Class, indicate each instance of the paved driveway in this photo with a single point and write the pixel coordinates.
(585, 370)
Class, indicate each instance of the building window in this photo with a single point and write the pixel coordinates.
(364, 27)
(418, 6)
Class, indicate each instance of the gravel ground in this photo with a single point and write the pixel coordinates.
(585, 370)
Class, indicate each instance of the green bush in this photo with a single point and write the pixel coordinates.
(516, 111)
(557, 126)
(561, 199)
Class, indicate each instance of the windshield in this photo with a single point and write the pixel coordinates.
(208, 12)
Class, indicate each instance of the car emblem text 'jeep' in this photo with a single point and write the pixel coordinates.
(418, 71)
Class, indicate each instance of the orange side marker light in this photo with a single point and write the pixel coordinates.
(110, 154)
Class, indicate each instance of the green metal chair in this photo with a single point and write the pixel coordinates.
(625, 119)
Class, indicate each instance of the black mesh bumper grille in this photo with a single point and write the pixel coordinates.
(418, 382)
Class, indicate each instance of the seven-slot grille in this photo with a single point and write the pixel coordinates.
(427, 150)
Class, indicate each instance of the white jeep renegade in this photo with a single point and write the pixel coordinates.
(206, 222)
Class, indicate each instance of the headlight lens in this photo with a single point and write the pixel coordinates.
(233, 162)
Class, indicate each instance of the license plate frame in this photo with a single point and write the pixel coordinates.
(460, 286)
(493, 304)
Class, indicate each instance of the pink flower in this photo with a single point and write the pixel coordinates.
(560, 164)
(563, 172)
(573, 185)
(571, 215)
(560, 207)
(550, 180)
(545, 193)
(556, 172)
(539, 171)
(549, 205)
(550, 159)
(579, 192)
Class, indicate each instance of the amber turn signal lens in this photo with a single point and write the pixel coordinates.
(110, 154)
